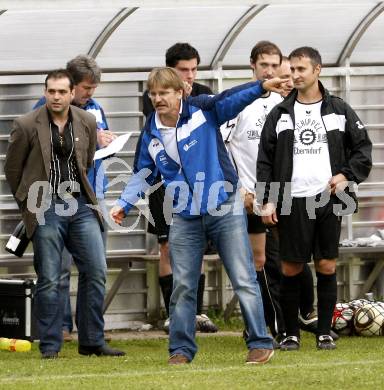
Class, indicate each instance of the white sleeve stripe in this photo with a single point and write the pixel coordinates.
(196, 121)
(284, 123)
(334, 122)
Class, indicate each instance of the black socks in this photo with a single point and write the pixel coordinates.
(326, 301)
(166, 285)
(200, 294)
(307, 295)
(290, 299)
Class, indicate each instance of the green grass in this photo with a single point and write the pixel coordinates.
(356, 364)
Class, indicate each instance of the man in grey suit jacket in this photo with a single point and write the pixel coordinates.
(49, 152)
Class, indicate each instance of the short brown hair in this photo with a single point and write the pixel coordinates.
(264, 47)
(165, 77)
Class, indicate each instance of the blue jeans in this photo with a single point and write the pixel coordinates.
(81, 235)
(187, 241)
(65, 278)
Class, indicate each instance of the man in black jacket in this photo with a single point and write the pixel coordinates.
(313, 145)
(185, 59)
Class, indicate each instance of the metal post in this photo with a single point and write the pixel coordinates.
(219, 76)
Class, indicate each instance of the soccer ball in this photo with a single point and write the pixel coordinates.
(357, 303)
(342, 318)
(369, 319)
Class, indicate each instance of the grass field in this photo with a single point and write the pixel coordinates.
(358, 363)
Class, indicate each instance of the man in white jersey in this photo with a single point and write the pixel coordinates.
(313, 145)
(242, 136)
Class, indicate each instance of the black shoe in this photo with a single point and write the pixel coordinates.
(308, 322)
(276, 344)
(49, 355)
(278, 339)
(325, 342)
(205, 325)
(290, 343)
(104, 350)
(334, 335)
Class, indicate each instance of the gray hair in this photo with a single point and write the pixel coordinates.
(84, 67)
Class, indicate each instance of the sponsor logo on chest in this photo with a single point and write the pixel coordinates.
(188, 146)
(253, 135)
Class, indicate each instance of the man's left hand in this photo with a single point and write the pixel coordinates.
(269, 215)
(248, 202)
(337, 183)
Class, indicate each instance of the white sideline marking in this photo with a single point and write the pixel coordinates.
(191, 369)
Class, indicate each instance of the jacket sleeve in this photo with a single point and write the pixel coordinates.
(92, 141)
(39, 103)
(144, 175)
(358, 162)
(228, 104)
(104, 118)
(266, 155)
(17, 153)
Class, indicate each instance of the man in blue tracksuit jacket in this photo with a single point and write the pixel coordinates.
(182, 141)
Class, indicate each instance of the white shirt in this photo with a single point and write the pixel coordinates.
(311, 164)
(168, 135)
(242, 137)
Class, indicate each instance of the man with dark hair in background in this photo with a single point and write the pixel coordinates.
(185, 59)
(312, 145)
(49, 152)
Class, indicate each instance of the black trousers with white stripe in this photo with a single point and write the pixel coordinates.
(269, 279)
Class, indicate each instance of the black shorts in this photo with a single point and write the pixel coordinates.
(156, 202)
(255, 224)
(302, 238)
